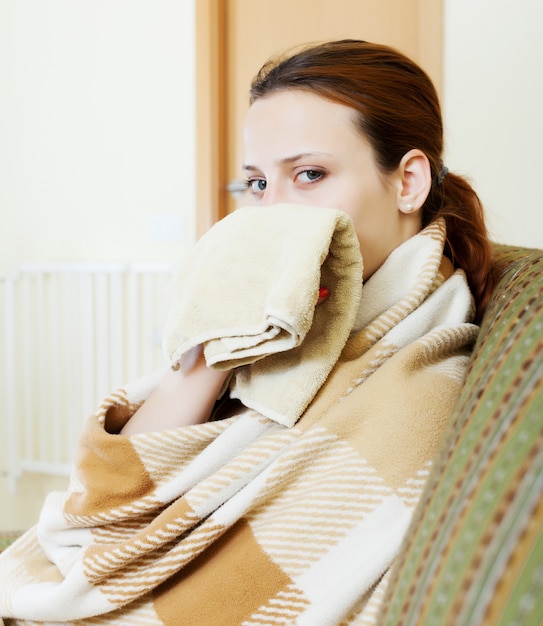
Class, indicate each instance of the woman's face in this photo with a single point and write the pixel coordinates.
(301, 148)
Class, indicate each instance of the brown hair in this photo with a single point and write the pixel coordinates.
(398, 110)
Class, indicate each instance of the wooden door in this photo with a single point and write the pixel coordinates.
(234, 39)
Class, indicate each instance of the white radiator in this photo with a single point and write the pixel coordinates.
(73, 334)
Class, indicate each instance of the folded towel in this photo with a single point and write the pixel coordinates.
(248, 293)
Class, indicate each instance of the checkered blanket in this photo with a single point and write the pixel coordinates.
(246, 520)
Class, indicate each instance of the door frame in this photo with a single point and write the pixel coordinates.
(211, 114)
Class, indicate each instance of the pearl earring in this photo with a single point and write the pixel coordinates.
(409, 208)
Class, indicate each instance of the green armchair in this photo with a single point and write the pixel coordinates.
(474, 551)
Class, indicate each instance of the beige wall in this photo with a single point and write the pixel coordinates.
(493, 104)
(97, 132)
(96, 135)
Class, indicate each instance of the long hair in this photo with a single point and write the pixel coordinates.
(397, 110)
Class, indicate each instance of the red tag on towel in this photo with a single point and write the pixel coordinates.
(323, 294)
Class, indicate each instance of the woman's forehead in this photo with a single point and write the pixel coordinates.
(299, 122)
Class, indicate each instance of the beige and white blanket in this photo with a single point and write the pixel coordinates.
(249, 520)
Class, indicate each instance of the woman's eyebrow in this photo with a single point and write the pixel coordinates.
(249, 168)
(290, 159)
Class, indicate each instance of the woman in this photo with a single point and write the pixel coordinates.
(253, 517)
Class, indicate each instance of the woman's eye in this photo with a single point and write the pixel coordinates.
(256, 185)
(310, 176)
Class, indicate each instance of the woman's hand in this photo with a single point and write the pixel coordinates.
(183, 397)
(180, 399)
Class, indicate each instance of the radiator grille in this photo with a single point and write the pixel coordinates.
(73, 334)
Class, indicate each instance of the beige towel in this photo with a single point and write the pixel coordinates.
(249, 291)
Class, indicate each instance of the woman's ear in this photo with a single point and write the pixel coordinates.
(416, 181)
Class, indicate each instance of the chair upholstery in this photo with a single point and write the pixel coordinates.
(474, 552)
(7, 538)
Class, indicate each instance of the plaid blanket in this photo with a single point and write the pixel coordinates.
(246, 520)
